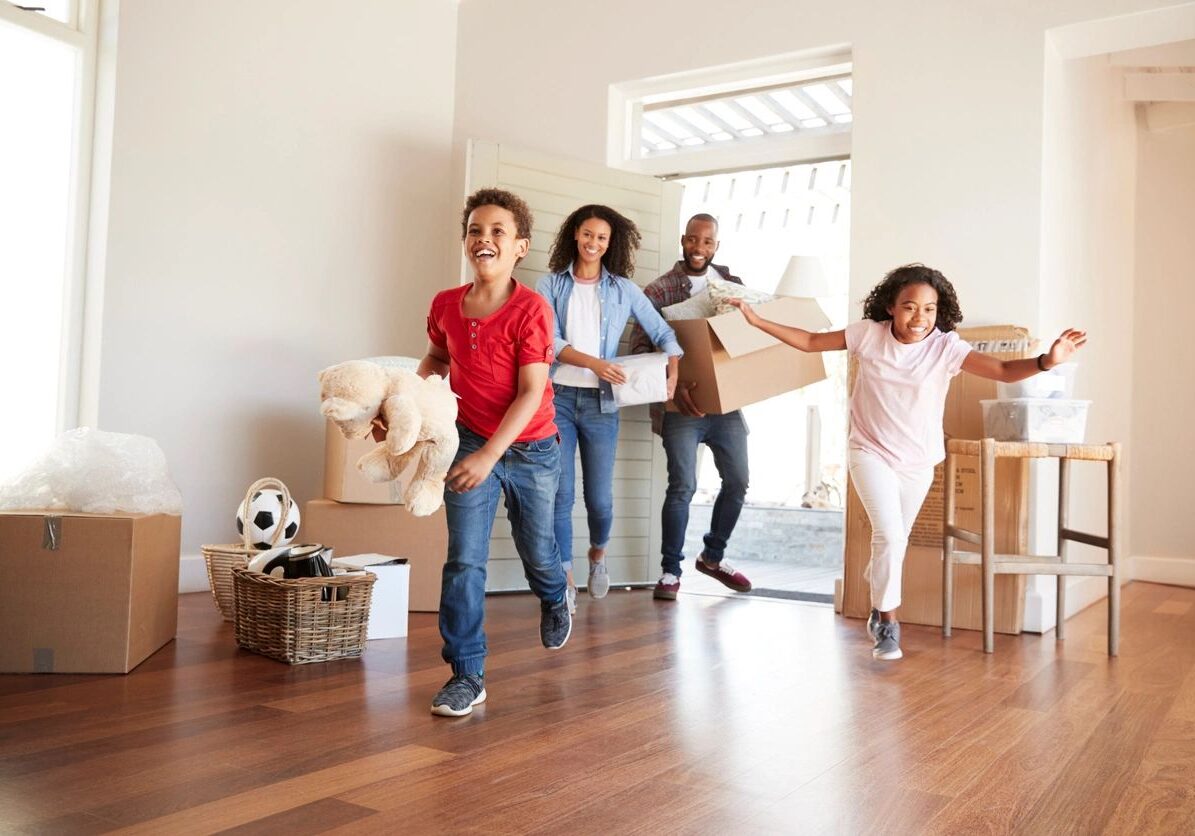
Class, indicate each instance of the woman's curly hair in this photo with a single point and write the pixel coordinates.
(883, 296)
(619, 257)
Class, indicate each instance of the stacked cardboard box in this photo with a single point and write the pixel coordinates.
(360, 517)
(922, 582)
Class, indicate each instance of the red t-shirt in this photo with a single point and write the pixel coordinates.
(485, 353)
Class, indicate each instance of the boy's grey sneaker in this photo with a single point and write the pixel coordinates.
(570, 595)
(887, 640)
(459, 695)
(555, 624)
(599, 579)
(872, 621)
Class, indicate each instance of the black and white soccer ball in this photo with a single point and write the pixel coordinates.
(265, 515)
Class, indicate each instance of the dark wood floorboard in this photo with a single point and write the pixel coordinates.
(711, 715)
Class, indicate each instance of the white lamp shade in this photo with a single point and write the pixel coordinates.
(804, 277)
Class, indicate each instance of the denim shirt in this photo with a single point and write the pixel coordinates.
(620, 299)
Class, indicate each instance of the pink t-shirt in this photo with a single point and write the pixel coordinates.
(900, 392)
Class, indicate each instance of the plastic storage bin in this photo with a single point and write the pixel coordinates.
(1052, 420)
(1058, 382)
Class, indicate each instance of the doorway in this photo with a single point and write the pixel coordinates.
(789, 538)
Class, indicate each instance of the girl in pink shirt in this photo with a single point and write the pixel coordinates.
(907, 352)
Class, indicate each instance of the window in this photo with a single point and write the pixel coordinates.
(47, 72)
(822, 105)
(757, 114)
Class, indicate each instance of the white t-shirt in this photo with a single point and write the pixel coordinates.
(699, 282)
(582, 329)
(900, 392)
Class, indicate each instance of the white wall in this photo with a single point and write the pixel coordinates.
(1163, 448)
(278, 203)
(1089, 161)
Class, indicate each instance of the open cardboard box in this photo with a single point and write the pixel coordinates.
(735, 364)
(86, 593)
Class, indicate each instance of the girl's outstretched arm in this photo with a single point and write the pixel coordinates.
(796, 337)
(1010, 371)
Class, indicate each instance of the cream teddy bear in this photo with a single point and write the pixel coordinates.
(420, 415)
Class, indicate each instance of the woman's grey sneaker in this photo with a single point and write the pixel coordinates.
(599, 579)
(555, 624)
(872, 621)
(887, 639)
(459, 695)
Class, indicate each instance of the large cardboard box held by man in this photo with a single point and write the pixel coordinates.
(385, 529)
(344, 483)
(921, 588)
(735, 364)
(86, 593)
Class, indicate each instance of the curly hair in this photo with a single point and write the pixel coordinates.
(619, 257)
(504, 200)
(883, 296)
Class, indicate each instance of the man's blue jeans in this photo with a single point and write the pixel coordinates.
(726, 436)
(526, 475)
(581, 422)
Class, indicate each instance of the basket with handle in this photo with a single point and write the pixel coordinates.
(220, 559)
(302, 620)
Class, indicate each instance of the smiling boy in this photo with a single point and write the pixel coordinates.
(494, 340)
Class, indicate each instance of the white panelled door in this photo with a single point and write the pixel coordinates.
(553, 187)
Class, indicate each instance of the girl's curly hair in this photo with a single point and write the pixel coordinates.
(883, 296)
(619, 257)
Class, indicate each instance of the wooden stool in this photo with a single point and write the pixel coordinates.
(993, 564)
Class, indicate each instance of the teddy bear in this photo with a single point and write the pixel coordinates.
(420, 416)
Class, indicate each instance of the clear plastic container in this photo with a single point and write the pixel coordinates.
(1052, 420)
(1058, 382)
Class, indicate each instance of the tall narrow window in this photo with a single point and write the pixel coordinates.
(45, 64)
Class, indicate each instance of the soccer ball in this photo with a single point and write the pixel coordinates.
(265, 515)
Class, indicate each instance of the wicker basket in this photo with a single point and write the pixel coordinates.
(221, 559)
(302, 620)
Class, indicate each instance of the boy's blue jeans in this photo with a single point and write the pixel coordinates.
(581, 422)
(726, 436)
(526, 475)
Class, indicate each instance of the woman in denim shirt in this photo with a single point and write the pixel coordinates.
(592, 298)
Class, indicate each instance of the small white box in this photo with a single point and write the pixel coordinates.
(1050, 420)
(391, 592)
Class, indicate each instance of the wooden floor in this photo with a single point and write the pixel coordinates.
(710, 715)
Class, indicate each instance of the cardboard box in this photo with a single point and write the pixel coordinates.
(735, 364)
(344, 483)
(921, 589)
(385, 529)
(86, 593)
(391, 592)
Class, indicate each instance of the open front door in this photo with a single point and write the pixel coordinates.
(553, 187)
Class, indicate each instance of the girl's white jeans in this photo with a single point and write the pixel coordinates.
(892, 499)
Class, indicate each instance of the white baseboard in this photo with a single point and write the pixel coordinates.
(1040, 607)
(1176, 571)
(192, 574)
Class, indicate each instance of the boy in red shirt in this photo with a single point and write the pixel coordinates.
(494, 340)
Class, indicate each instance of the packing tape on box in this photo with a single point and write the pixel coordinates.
(51, 533)
(43, 660)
